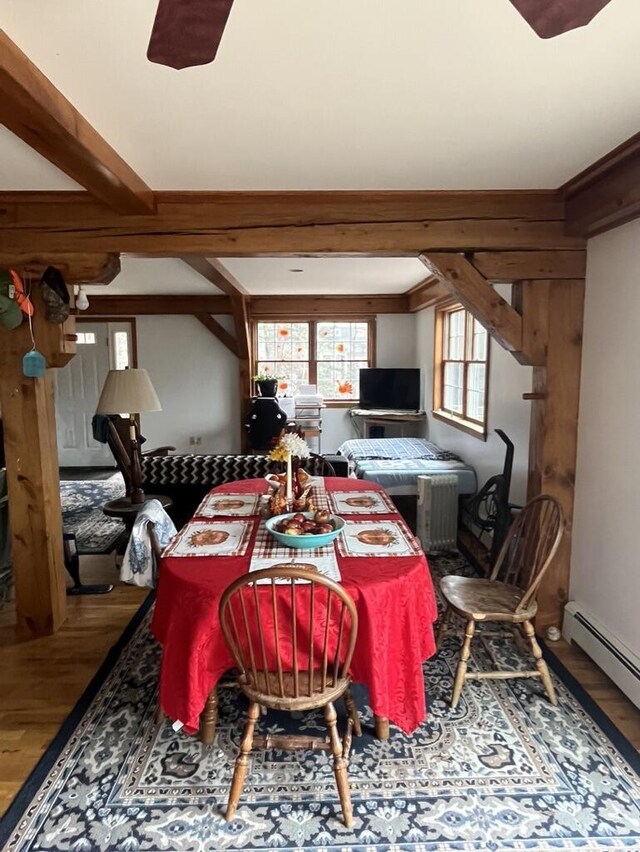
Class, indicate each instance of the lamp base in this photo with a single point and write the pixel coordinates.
(138, 496)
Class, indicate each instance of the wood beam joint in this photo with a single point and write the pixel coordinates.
(606, 194)
(473, 291)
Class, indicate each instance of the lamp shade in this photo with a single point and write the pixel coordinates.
(128, 391)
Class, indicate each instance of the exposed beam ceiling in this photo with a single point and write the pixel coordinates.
(33, 109)
(572, 99)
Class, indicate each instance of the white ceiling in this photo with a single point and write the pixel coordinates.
(266, 276)
(328, 276)
(435, 94)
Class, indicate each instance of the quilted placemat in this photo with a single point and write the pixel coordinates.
(377, 538)
(360, 503)
(234, 505)
(212, 538)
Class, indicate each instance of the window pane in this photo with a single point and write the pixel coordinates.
(340, 379)
(337, 340)
(479, 342)
(283, 341)
(452, 392)
(290, 374)
(454, 345)
(475, 391)
(85, 337)
(121, 350)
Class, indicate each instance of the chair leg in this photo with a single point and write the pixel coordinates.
(541, 664)
(352, 710)
(461, 670)
(209, 718)
(443, 626)
(339, 764)
(242, 761)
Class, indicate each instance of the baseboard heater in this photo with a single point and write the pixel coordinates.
(437, 512)
(605, 649)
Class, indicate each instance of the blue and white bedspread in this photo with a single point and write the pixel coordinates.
(394, 448)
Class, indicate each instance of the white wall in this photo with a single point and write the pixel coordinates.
(605, 562)
(196, 379)
(508, 380)
(395, 347)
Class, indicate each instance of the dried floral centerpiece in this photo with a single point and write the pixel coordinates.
(293, 491)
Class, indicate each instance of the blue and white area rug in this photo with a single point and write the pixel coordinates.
(82, 501)
(504, 771)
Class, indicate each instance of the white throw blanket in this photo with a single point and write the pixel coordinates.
(138, 565)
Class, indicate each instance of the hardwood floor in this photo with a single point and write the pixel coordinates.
(43, 678)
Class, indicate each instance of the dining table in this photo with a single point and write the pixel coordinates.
(376, 559)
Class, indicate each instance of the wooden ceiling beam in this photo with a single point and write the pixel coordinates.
(220, 277)
(426, 294)
(606, 194)
(264, 307)
(214, 272)
(157, 305)
(290, 223)
(529, 265)
(76, 268)
(261, 306)
(219, 331)
(40, 115)
(474, 292)
(234, 208)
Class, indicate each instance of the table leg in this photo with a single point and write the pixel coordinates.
(209, 718)
(382, 727)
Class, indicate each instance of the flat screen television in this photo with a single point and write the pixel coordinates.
(397, 388)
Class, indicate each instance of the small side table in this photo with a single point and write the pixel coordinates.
(127, 511)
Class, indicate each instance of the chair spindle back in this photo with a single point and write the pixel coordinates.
(530, 546)
(293, 638)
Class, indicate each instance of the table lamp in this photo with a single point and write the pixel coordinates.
(130, 391)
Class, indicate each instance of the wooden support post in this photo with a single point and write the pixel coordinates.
(554, 429)
(32, 472)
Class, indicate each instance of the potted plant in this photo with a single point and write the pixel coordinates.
(266, 384)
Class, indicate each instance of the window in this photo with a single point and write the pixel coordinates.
(85, 337)
(461, 369)
(322, 352)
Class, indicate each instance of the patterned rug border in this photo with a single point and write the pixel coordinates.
(25, 795)
(608, 728)
(30, 787)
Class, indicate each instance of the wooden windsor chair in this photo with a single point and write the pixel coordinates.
(522, 562)
(292, 642)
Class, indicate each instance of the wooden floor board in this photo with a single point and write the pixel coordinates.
(43, 678)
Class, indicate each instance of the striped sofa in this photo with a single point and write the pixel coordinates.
(187, 478)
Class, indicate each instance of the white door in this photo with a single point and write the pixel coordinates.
(77, 389)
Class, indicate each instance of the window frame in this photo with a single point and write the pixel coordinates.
(472, 427)
(313, 355)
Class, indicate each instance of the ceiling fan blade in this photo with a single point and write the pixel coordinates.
(187, 32)
(550, 18)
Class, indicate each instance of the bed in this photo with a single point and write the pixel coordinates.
(396, 463)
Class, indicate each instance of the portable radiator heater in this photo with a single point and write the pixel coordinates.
(437, 512)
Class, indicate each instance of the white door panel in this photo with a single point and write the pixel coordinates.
(77, 389)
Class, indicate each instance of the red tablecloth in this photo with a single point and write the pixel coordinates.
(396, 607)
